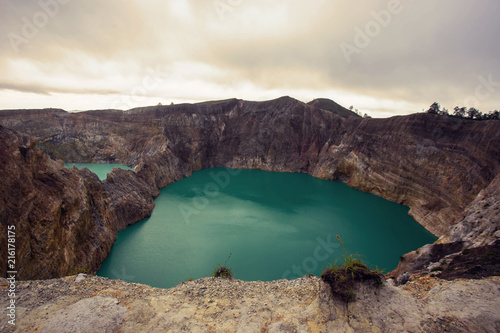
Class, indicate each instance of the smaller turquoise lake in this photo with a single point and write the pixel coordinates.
(266, 225)
(101, 170)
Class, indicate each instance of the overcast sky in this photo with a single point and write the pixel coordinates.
(384, 57)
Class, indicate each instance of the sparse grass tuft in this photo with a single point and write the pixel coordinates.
(343, 278)
(222, 272)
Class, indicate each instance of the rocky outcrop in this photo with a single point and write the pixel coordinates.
(469, 248)
(65, 220)
(91, 304)
(435, 165)
(481, 224)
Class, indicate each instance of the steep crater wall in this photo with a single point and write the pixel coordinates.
(435, 165)
(65, 220)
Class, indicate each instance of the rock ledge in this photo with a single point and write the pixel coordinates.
(424, 304)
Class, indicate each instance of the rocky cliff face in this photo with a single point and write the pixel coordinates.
(470, 248)
(435, 165)
(65, 219)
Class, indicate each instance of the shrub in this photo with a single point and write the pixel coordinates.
(344, 278)
(222, 272)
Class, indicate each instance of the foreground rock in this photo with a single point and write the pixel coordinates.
(96, 304)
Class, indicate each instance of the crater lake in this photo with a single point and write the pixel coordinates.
(263, 226)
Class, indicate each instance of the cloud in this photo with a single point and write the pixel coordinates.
(29, 88)
(425, 51)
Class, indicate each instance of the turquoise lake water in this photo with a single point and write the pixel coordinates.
(101, 170)
(270, 225)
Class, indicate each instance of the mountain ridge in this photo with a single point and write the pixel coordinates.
(329, 105)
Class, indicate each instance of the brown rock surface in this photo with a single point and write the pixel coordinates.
(96, 304)
(65, 219)
(469, 248)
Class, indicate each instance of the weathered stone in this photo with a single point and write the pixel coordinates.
(303, 305)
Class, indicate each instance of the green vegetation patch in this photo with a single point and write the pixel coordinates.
(344, 278)
(222, 272)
